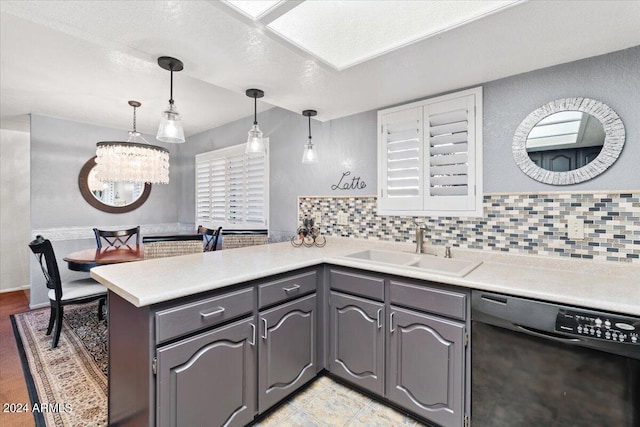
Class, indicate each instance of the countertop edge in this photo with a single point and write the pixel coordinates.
(481, 278)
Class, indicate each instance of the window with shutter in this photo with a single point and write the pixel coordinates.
(430, 157)
(402, 146)
(232, 189)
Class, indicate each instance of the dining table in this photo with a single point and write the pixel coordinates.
(86, 259)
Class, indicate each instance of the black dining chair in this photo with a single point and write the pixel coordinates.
(210, 236)
(60, 294)
(117, 238)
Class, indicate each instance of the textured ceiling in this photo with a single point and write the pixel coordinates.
(83, 60)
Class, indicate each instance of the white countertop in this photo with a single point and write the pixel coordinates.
(611, 286)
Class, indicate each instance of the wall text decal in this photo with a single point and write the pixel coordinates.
(355, 184)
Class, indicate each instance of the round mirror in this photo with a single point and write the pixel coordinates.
(568, 141)
(112, 197)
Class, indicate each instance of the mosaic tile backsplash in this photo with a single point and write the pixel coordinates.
(517, 223)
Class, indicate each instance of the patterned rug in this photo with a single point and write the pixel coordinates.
(68, 384)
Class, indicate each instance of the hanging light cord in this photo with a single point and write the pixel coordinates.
(255, 111)
(309, 128)
(171, 90)
(134, 120)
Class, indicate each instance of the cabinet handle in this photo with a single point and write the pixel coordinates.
(391, 323)
(253, 334)
(291, 289)
(378, 318)
(264, 337)
(219, 310)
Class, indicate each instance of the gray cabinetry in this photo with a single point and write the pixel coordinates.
(417, 358)
(357, 340)
(208, 379)
(188, 318)
(287, 349)
(290, 287)
(425, 369)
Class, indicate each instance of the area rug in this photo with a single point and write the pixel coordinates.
(67, 385)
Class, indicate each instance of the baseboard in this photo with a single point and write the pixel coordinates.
(42, 304)
(19, 288)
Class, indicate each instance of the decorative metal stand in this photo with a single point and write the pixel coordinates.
(308, 235)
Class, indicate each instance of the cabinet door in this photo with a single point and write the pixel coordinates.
(425, 371)
(209, 379)
(356, 341)
(287, 350)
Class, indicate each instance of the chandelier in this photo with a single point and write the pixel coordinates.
(133, 161)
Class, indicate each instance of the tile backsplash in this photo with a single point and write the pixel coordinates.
(517, 223)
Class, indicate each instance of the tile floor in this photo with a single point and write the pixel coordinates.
(326, 403)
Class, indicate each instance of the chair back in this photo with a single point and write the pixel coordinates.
(117, 238)
(160, 246)
(210, 238)
(43, 251)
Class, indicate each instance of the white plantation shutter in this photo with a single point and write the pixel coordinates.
(430, 156)
(217, 188)
(203, 189)
(255, 191)
(450, 168)
(402, 146)
(232, 189)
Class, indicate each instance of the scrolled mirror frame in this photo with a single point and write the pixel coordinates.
(83, 184)
(613, 142)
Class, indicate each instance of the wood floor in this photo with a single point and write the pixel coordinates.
(13, 388)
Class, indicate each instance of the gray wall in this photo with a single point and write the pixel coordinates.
(613, 79)
(59, 148)
(349, 143)
(346, 144)
(14, 210)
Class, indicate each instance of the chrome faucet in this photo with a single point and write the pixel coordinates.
(421, 229)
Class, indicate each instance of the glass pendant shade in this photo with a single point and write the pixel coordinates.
(310, 154)
(255, 144)
(170, 128)
(133, 161)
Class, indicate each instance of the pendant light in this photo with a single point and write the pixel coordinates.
(170, 128)
(309, 155)
(255, 145)
(133, 161)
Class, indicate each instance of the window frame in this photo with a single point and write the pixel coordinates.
(224, 154)
(432, 206)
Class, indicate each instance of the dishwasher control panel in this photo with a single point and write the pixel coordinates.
(603, 326)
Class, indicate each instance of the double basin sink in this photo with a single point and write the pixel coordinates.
(427, 263)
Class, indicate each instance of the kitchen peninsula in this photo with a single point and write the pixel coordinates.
(262, 314)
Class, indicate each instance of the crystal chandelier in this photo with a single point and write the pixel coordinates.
(133, 161)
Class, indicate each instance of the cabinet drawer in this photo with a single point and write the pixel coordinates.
(358, 284)
(429, 298)
(176, 321)
(287, 288)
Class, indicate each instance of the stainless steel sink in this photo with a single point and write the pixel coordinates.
(428, 263)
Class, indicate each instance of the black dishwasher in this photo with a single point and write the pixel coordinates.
(535, 363)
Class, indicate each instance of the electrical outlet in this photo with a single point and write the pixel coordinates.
(317, 218)
(575, 228)
(343, 218)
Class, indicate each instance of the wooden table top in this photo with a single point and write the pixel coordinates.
(88, 258)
